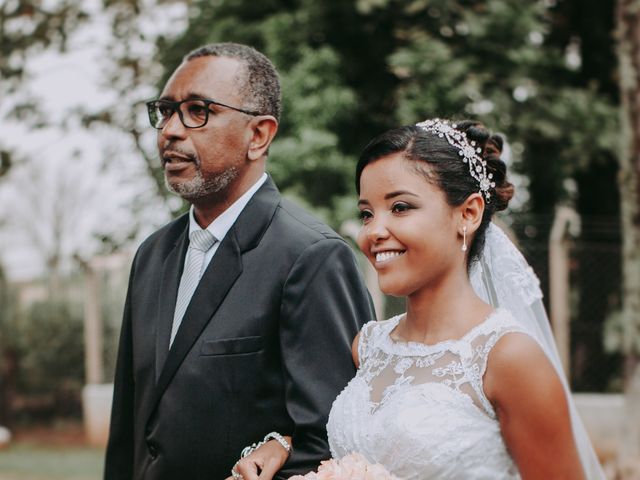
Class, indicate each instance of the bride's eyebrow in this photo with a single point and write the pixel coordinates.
(398, 193)
(364, 201)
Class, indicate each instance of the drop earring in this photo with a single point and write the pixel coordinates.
(464, 239)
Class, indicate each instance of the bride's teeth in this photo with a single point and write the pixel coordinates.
(383, 256)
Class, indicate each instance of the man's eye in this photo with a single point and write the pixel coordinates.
(197, 110)
(164, 110)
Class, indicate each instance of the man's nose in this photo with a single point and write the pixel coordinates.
(174, 128)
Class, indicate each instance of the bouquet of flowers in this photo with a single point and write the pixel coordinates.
(350, 467)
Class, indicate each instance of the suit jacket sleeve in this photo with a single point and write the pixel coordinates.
(324, 305)
(120, 447)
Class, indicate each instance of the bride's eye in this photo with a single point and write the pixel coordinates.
(365, 215)
(401, 207)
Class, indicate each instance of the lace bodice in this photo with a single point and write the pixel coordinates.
(420, 410)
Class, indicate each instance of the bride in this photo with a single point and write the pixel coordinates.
(466, 384)
(453, 388)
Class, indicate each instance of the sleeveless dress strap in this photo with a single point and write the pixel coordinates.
(363, 341)
(485, 338)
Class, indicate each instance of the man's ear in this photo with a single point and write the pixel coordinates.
(263, 129)
(471, 211)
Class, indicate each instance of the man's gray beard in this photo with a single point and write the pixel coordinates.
(198, 188)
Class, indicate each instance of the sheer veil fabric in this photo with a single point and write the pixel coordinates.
(503, 278)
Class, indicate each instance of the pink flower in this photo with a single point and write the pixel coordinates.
(350, 467)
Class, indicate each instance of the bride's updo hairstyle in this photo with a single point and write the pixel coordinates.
(441, 164)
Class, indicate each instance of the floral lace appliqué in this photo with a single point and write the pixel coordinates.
(421, 410)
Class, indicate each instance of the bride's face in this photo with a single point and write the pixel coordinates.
(409, 232)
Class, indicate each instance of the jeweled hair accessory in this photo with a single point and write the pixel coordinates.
(466, 149)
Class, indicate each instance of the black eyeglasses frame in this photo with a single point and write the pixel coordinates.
(175, 107)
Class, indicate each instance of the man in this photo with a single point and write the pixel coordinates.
(263, 343)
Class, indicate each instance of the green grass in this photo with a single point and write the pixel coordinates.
(35, 462)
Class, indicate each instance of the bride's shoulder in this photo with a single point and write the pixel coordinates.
(507, 335)
(514, 355)
(502, 322)
(516, 348)
(502, 316)
(375, 326)
(520, 379)
(367, 335)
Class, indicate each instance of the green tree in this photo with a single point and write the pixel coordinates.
(51, 335)
(43, 356)
(540, 72)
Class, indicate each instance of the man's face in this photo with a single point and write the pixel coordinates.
(204, 163)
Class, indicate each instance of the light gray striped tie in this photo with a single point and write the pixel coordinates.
(199, 242)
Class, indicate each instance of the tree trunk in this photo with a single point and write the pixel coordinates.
(628, 36)
(628, 43)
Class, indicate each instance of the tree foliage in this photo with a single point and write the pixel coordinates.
(44, 349)
(27, 26)
(352, 69)
(541, 73)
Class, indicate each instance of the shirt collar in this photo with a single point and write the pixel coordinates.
(221, 225)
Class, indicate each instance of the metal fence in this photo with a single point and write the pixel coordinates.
(595, 293)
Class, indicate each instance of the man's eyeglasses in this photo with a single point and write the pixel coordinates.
(193, 113)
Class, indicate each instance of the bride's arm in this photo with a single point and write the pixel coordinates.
(354, 350)
(532, 409)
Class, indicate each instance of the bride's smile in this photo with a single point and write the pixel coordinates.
(386, 256)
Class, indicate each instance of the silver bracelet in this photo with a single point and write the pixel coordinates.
(278, 438)
(273, 435)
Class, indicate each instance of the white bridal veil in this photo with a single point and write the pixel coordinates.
(503, 278)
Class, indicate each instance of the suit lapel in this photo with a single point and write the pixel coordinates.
(221, 274)
(219, 277)
(171, 272)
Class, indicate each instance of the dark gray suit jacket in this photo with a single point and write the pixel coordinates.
(264, 345)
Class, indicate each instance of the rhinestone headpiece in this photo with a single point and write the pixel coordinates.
(468, 150)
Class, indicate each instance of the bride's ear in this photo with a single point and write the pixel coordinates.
(471, 211)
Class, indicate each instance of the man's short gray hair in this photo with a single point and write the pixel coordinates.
(261, 85)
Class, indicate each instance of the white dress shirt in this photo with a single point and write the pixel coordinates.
(221, 225)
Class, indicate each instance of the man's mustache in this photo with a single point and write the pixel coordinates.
(170, 151)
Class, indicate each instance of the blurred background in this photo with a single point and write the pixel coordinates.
(81, 187)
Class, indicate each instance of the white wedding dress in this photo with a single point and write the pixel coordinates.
(420, 410)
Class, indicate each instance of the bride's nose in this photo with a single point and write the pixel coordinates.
(376, 230)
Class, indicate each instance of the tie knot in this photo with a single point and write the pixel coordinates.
(201, 240)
